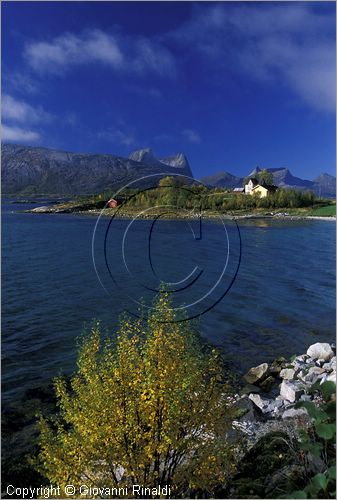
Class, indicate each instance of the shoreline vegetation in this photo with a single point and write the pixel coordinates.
(121, 213)
(173, 200)
(274, 427)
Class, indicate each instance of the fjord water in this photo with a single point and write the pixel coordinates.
(282, 300)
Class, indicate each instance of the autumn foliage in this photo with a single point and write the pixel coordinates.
(147, 406)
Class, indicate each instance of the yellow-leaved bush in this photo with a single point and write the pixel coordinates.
(148, 406)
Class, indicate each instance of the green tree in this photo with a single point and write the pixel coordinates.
(150, 402)
(265, 177)
(167, 181)
(168, 191)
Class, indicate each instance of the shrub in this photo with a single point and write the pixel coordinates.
(146, 407)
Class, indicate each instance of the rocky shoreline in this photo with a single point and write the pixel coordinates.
(271, 392)
(266, 426)
(190, 215)
(273, 426)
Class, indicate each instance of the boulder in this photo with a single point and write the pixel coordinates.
(275, 406)
(291, 391)
(256, 373)
(244, 409)
(261, 403)
(277, 365)
(316, 369)
(327, 367)
(295, 413)
(302, 374)
(320, 350)
(314, 373)
(331, 377)
(331, 365)
(249, 388)
(287, 373)
(305, 397)
(310, 361)
(267, 384)
(302, 358)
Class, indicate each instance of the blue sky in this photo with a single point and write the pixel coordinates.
(231, 84)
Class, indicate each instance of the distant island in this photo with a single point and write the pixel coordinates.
(175, 198)
(32, 171)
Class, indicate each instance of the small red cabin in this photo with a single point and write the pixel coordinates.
(113, 203)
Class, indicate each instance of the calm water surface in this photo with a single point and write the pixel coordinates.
(282, 300)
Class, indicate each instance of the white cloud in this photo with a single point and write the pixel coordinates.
(18, 118)
(314, 77)
(152, 57)
(20, 111)
(118, 52)
(18, 134)
(20, 81)
(69, 49)
(286, 43)
(191, 136)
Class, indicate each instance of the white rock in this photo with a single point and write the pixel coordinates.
(299, 365)
(287, 373)
(259, 402)
(320, 351)
(302, 374)
(331, 365)
(293, 412)
(290, 391)
(314, 373)
(274, 406)
(316, 369)
(305, 397)
(331, 377)
(310, 361)
(301, 358)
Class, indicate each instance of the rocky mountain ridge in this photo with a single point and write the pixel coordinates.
(30, 170)
(35, 170)
(323, 185)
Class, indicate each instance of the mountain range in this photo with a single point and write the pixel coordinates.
(34, 170)
(30, 170)
(323, 185)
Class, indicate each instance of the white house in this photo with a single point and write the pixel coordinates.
(250, 185)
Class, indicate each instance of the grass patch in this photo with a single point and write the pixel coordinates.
(325, 211)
